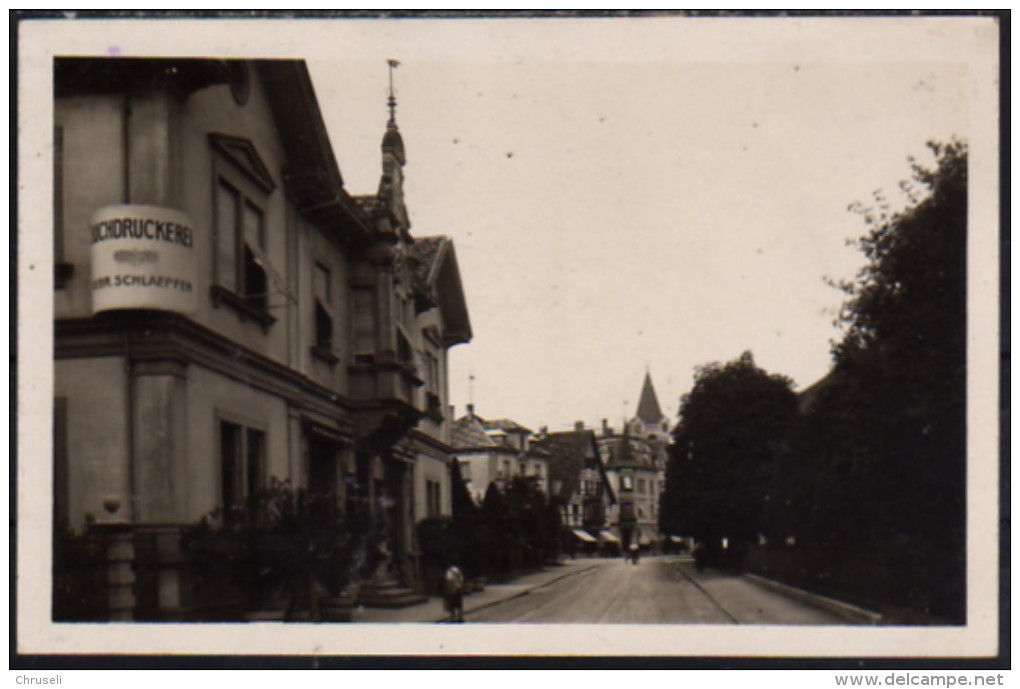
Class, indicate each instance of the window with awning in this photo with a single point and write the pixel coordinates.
(584, 536)
(608, 537)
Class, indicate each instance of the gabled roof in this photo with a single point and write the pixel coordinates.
(467, 433)
(648, 409)
(312, 175)
(625, 451)
(506, 425)
(439, 275)
(569, 453)
(426, 250)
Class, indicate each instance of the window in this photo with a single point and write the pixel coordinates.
(641, 486)
(626, 483)
(433, 497)
(242, 467)
(432, 371)
(240, 232)
(404, 352)
(363, 306)
(241, 271)
(324, 471)
(324, 318)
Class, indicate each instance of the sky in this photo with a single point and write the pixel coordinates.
(621, 213)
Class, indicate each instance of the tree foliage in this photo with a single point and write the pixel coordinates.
(878, 458)
(733, 426)
(290, 545)
(885, 439)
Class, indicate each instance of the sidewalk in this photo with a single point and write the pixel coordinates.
(433, 611)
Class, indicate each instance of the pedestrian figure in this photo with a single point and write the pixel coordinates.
(453, 593)
(699, 556)
(634, 551)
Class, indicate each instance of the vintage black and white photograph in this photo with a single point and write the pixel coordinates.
(649, 335)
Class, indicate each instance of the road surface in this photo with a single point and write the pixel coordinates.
(656, 590)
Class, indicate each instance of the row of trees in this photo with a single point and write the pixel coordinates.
(516, 527)
(875, 456)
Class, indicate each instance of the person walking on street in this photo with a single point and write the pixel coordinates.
(453, 593)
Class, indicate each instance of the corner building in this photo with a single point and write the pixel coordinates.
(227, 314)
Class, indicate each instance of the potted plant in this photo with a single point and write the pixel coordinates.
(287, 554)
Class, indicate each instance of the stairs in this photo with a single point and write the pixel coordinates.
(388, 593)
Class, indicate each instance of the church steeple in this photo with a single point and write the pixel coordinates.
(648, 409)
(392, 142)
(391, 185)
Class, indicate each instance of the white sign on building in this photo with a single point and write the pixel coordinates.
(143, 257)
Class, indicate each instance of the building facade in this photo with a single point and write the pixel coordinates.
(636, 465)
(228, 315)
(578, 483)
(495, 452)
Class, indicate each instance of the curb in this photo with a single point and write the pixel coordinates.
(847, 611)
(520, 594)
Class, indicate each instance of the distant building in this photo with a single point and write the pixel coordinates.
(578, 481)
(649, 423)
(496, 451)
(636, 465)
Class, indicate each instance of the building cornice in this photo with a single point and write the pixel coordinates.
(155, 336)
(435, 443)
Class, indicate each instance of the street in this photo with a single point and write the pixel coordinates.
(657, 590)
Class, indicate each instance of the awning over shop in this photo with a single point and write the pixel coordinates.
(584, 536)
(676, 539)
(608, 537)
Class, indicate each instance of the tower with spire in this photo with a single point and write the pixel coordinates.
(408, 309)
(649, 422)
(635, 465)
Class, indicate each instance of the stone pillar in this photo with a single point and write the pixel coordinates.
(161, 472)
(120, 576)
(160, 437)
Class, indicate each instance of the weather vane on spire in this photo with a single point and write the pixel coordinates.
(392, 101)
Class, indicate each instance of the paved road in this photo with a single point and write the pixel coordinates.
(656, 590)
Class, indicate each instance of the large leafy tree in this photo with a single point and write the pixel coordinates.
(878, 459)
(733, 426)
(893, 419)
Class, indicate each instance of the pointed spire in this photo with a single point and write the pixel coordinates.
(392, 100)
(392, 141)
(648, 409)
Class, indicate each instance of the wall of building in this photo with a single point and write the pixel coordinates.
(483, 471)
(312, 248)
(97, 435)
(93, 174)
(214, 110)
(432, 318)
(434, 468)
(212, 397)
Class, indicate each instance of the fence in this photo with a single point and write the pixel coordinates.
(930, 583)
